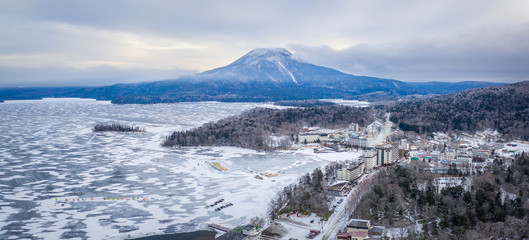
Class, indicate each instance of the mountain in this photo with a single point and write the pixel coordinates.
(263, 74)
(504, 108)
(29, 93)
(264, 65)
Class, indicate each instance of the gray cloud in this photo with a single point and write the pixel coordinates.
(96, 76)
(408, 40)
(500, 56)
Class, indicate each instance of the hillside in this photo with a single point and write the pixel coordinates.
(491, 206)
(504, 108)
(254, 128)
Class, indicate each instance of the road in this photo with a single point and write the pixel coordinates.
(340, 217)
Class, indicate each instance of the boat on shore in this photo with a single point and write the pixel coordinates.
(217, 166)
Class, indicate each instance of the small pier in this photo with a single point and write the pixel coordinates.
(219, 227)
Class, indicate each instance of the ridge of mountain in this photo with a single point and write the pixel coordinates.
(263, 74)
(503, 108)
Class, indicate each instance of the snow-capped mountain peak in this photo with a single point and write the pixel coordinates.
(258, 55)
(261, 64)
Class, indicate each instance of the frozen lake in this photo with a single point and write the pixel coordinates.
(56, 175)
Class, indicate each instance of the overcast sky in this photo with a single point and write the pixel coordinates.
(74, 42)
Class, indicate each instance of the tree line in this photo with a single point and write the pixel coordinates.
(114, 127)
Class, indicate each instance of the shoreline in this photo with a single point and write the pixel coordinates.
(196, 235)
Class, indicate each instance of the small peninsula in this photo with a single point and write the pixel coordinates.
(268, 129)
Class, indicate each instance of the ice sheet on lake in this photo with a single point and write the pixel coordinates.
(49, 152)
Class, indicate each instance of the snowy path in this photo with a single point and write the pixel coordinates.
(340, 218)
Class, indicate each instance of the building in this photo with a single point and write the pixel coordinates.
(361, 141)
(350, 172)
(356, 225)
(387, 154)
(354, 127)
(483, 153)
(247, 232)
(450, 154)
(445, 182)
(232, 236)
(370, 160)
(312, 137)
(339, 189)
(251, 231)
(404, 145)
(358, 235)
(463, 159)
(377, 231)
(359, 229)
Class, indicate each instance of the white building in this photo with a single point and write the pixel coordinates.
(311, 137)
(354, 127)
(358, 225)
(361, 141)
(351, 171)
(463, 158)
(450, 154)
(404, 145)
(484, 153)
(387, 154)
(445, 182)
(370, 160)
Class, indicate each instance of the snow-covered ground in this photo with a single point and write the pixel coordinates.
(352, 103)
(57, 178)
(299, 225)
(513, 150)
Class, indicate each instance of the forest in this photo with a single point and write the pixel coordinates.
(114, 127)
(492, 205)
(307, 195)
(503, 108)
(256, 128)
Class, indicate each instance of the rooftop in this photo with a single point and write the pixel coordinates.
(231, 236)
(359, 223)
(377, 230)
(386, 146)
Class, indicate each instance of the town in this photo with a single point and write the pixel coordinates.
(450, 157)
